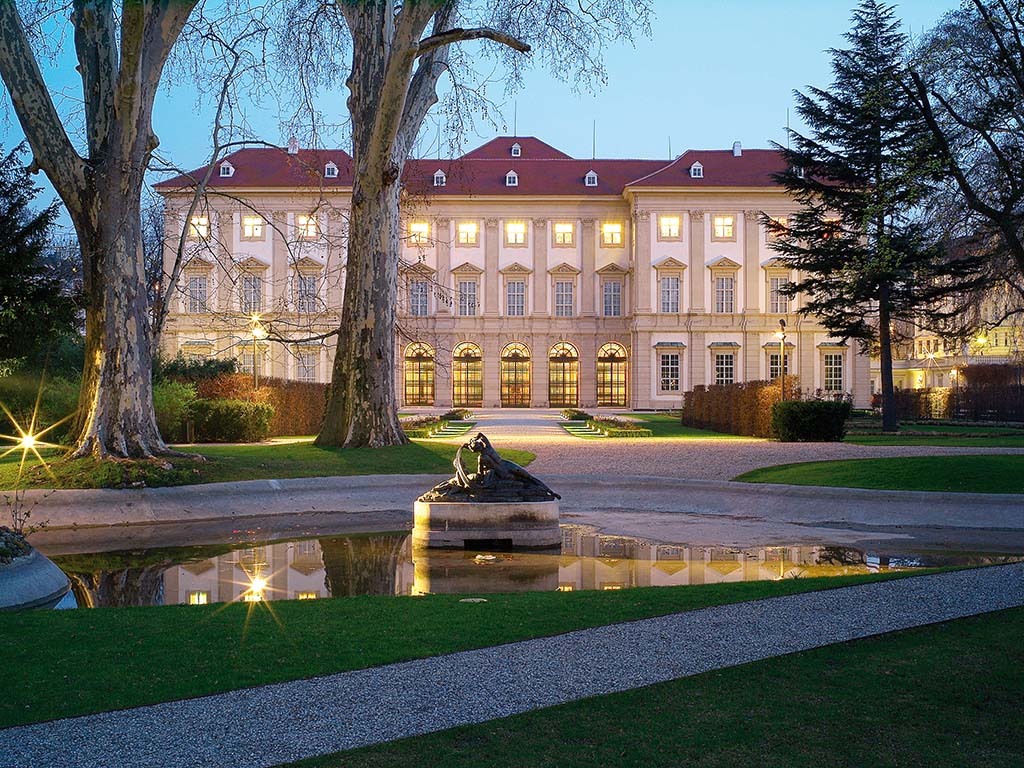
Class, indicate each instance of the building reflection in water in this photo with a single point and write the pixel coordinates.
(387, 564)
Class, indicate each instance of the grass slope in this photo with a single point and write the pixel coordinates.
(942, 695)
(964, 474)
(242, 462)
(66, 663)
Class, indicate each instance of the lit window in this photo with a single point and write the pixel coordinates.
(468, 233)
(564, 232)
(725, 368)
(331, 171)
(613, 299)
(199, 227)
(696, 171)
(773, 365)
(467, 298)
(670, 294)
(418, 294)
(670, 372)
(306, 364)
(198, 597)
(564, 304)
(590, 179)
(440, 179)
(306, 595)
(419, 232)
(725, 294)
(515, 298)
(515, 233)
(227, 170)
(511, 179)
(307, 227)
(251, 294)
(769, 235)
(517, 150)
(723, 228)
(566, 588)
(305, 294)
(779, 302)
(198, 289)
(668, 227)
(834, 372)
(833, 227)
(252, 227)
(611, 233)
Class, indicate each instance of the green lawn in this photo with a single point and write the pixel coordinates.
(974, 474)
(242, 462)
(66, 663)
(953, 441)
(664, 425)
(942, 695)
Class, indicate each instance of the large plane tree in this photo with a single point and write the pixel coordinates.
(398, 51)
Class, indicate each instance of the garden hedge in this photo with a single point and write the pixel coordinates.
(231, 421)
(810, 420)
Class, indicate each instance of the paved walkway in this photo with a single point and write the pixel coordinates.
(280, 723)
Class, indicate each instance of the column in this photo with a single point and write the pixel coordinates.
(697, 357)
(751, 268)
(443, 240)
(491, 276)
(589, 259)
(642, 261)
(697, 270)
(222, 247)
(539, 305)
(587, 347)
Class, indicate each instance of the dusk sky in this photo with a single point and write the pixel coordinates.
(710, 74)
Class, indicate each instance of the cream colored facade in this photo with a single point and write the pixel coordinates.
(531, 296)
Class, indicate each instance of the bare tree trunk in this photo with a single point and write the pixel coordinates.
(890, 421)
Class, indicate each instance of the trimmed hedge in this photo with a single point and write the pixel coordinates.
(456, 414)
(810, 420)
(231, 421)
(617, 427)
(298, 406)
(421, 427)
(173, 402)
(575, 414)
(738, 409)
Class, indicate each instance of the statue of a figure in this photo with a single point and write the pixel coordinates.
(495, 479)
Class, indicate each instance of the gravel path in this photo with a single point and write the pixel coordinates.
(285, 722)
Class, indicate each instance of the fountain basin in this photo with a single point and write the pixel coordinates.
(32, 581)
(461, 524)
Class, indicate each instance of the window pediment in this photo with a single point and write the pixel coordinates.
(564, 269)
(833, 345)
(671, 263)
(775, 263)
(251, 263)
(417, 268)
(199, 262)
(307, 264)
(467, 269)
(612, 269)
(515, 268)
(773, 346)
(669, 345)
(723, 262)
(724, 345)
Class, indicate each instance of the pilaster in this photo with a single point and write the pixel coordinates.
(697, 270)
(539, 306)
(588, 243)
(443, 240)
(642, 261)
(751, 269)
(491, 277)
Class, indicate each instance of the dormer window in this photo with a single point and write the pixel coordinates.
(590, 179)
(330, 171)
(797, 171)
(696, 171)
(439, 178)
(511, 179)
(227, 170)
(517, 151)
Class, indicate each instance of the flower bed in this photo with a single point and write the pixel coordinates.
(422, 427)
(612, 427)
(575, 414)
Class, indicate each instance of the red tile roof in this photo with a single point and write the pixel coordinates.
(542, 170)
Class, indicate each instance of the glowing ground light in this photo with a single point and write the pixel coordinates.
(28, 440)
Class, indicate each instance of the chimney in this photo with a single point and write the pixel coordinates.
(737, 149)
(293, 146)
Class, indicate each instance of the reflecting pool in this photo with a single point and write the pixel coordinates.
(386, 563)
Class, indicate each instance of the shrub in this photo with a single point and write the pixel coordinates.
(612, 427)
(298, 405)
(173, 401)
(421, 427)
(574, 414)
(810, 420)
(456, 414)
(59, 400)
(739, 409)
(231, 421)
(181, 369)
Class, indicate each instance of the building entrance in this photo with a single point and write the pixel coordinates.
(611, 375)
(563, 376)
(515, 376)
(467, 376)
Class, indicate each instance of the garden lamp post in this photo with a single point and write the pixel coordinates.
(781, 336)
(258, 332)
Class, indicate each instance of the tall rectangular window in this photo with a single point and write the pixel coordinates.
(197, 292)
(467, 298)
(670, 294)
(725, 368)
(418, 296)
(515, 298)
(564, 304)
(779, 302)
(834, 372)
(564, 233)
(670, 372)
(251, 294)
(613, 299)
(725, 295)
(305, 294)
(305, 365)
(467, 232)
(773, 365)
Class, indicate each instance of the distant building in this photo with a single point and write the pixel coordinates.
(529, 278)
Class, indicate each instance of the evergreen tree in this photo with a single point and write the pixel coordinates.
(861, 253)
(33, 311)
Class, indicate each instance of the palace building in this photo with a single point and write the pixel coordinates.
(528, 278)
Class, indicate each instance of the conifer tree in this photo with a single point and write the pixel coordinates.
(862, 255)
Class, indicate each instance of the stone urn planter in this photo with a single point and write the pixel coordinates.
(500, 506)
(28, 579)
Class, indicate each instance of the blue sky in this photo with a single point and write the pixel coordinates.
(710, 74)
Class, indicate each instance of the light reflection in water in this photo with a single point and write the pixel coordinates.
(386, 563)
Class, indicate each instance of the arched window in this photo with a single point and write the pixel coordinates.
(563, 376)
(611, 375)
(419, 374)
(467, 376)
(515, 376)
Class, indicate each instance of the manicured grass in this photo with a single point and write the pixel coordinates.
(66, 663)
(664, 425)
(942, 695)
(241, 462)
(965, 474)
(993, 441)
